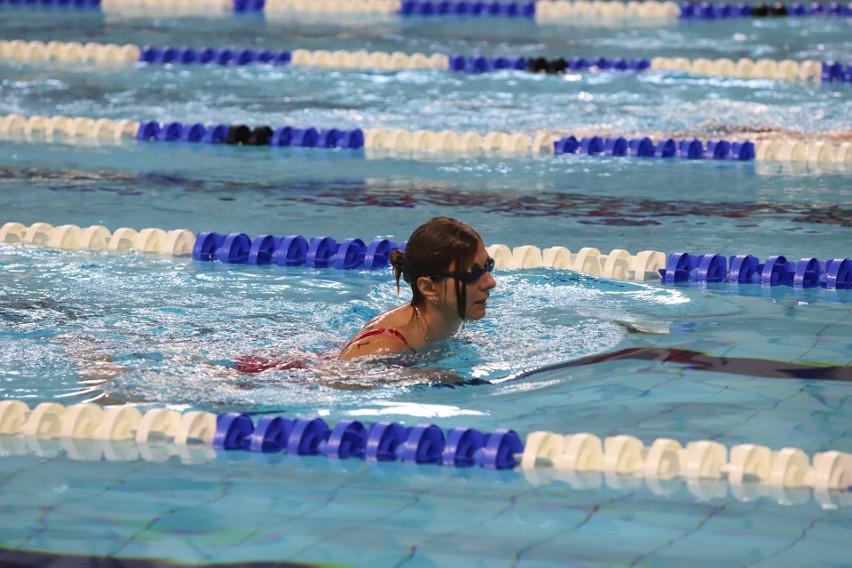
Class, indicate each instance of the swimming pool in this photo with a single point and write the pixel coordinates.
(565, 352)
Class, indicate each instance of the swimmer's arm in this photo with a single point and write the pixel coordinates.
(382, 344)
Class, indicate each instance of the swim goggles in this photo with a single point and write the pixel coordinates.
(472, 275)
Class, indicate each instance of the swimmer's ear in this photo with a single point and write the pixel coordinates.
(427, 287)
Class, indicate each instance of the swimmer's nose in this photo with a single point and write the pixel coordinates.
(489, 281)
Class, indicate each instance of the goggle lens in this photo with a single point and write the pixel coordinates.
(476, 272)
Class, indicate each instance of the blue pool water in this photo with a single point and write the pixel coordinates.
(746, 364)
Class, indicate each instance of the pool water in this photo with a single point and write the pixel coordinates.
(559, 351)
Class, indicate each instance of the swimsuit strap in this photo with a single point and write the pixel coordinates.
(380, 331)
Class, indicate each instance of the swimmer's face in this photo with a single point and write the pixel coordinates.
(478, 288)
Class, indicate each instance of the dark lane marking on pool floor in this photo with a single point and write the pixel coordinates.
(699, 361)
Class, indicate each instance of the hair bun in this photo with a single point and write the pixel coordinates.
(397, 258)
(397, 261)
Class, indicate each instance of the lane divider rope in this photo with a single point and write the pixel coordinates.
(16, 127)
(177, 242)
(273, 7)
(240, 134)
(787, 70)
(646, 148)
(381, 441)
(293, 250)
(745, 268)
(546, 11)
(784, 70)
(354, 253)
(206, 7)
(618, 264)
(550, 11)
(52, 128)
(748, 469)
(506, 9)
(811, 151)
(92, 52)
(711, 11)
(36, 129)
(405, 8)
(317, 252)
(542, 10)
(625, 458)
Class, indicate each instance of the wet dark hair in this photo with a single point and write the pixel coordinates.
(431, 249)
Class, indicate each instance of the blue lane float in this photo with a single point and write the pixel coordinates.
(467, 8)
(242, 6)
(834, 71)
(833, 274)
(381, 441)
(294, 250)
(645, 148)
(216, 56)
(283, 251)
(240, 134)
(483, 64)
(722, 10)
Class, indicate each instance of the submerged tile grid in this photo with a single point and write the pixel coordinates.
(251, 515)
(453, 532)
(658, 400)
(771, 536)
(319, 510)
(58, 491)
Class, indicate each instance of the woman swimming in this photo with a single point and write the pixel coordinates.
(449, 271)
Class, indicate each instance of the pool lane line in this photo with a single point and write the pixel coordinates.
(89, 431)
(354, 253)
(542, 11)
(699, 361)
(382, 441)
(97, 238)
(316, 252)
(547, 11)
(114, 54)
(681, 267)
(69, 130)
(776, 270)
(703, 489)
(388, 143)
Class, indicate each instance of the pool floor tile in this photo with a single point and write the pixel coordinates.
(91, 541)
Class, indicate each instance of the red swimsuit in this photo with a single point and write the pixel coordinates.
(379, 331)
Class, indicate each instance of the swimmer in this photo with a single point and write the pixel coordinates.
(449, 271)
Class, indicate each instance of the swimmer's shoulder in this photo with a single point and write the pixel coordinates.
(376, 341)
(385, 334)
